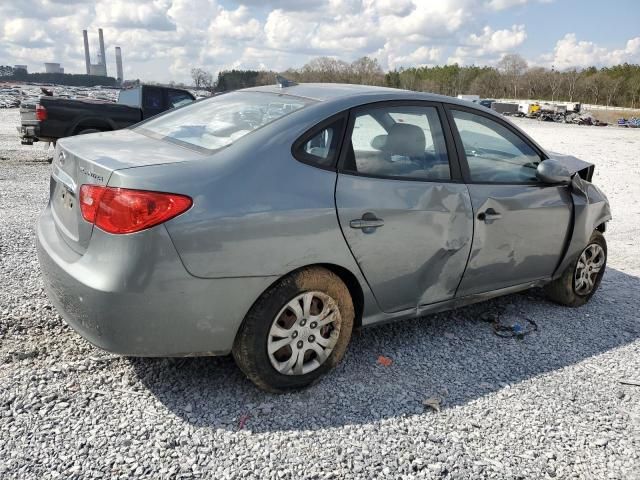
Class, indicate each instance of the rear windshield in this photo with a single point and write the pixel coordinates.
(219, 121)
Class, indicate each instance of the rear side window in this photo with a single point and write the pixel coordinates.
(178, 98)
(320, 146)
(399, 141)
(495, 153)
(152, 98)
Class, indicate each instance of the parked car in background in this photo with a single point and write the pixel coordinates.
(485, 102)
(54, 117)
(269, 222)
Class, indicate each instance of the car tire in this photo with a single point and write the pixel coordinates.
(276, 346)
(87, 131)
(569, 289)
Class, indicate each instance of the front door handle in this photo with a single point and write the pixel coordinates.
(368, 223)
(489, 216)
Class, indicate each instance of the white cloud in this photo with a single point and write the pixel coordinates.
(128, 14)
(504, 4)
(499, 40)
(488, 46)
(420, 56)
(571, 52)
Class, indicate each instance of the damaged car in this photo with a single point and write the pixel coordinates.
(270, 222)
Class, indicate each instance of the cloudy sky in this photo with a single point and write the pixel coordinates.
(162, 39)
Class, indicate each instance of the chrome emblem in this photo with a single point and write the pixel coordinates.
(62, 157)
(91, 174)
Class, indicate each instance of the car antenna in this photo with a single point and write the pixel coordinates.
(284, 82)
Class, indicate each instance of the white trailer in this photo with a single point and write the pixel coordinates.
(471, 98)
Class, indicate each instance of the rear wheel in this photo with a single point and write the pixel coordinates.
(296, 332)
(582, 277)
(87, 131)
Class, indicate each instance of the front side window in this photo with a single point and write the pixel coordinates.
(219, 121)
(400, 141)
(494, 153)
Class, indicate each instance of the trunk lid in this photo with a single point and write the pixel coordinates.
(91, 159)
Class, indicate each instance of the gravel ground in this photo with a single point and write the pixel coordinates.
(549, 406)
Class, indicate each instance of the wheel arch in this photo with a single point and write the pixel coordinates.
(91, 122)
(350, 280)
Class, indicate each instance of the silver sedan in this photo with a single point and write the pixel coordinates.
(270, 222)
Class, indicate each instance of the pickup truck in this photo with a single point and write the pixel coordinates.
(54, 117)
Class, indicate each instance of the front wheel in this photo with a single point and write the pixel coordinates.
(296, 332)
(582, 277)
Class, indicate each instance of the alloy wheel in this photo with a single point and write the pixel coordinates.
(588, 267)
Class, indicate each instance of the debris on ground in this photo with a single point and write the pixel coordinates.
(243, 421)
(635, 383)
(384, 361)
(433, 403)
(633, 122)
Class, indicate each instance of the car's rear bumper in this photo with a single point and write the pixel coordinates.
(130, 294)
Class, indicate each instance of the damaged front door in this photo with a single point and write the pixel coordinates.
(521, 225)
(407, 224)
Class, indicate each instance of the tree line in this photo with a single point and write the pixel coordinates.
(9, 74)
(618, 85)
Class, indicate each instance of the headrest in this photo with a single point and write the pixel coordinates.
(405, 139)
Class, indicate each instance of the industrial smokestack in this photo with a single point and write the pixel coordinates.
(87, 58)
(102, 54)
(119, 64)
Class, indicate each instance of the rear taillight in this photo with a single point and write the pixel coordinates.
(41, 112)
(122, 210)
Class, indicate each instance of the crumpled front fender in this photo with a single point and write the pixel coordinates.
(590, 210)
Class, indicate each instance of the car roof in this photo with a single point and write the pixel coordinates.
(325, 91)
(332, 91)
(352, 93)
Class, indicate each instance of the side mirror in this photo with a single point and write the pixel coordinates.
(379, 141)
(553, 171)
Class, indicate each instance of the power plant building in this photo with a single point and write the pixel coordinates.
(120, 76)
(100, 68)
(53, 68)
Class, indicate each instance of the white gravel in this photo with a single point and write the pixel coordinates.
(549, 406)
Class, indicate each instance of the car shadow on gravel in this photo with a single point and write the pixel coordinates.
(455, 356)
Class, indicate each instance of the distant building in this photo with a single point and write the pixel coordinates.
(120, 76)
(20, 67)
(98, 69)
(53, 68)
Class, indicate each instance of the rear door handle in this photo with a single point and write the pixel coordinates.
(489, 216)
(368, 223)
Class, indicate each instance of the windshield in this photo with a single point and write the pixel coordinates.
(218, 122)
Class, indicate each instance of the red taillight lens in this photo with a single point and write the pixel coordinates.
(89, 200)
(122, 210)
(41, 112)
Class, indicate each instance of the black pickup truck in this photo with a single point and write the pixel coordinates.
(53, 117)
